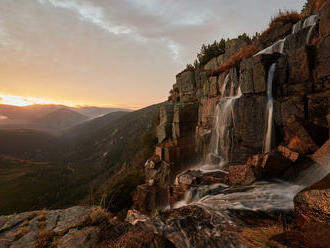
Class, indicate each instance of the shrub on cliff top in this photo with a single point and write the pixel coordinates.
(243, 53)
(210, 51)
(283, 17)
(311, 6)
(286, 16)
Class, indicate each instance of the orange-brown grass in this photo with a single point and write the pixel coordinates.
(259, 237)
(45, 239)
(316, 5)
(21, 232)
(243, 53)
(282, 18)
(315, 41)
(286, 16)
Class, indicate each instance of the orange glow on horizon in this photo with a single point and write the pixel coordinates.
(26, 101)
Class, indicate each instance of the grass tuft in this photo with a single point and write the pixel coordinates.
(260, 236)
(21, 232)
(45, 239)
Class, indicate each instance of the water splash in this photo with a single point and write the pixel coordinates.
(269, 130)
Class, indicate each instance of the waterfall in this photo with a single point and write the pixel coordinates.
(223, 87)
(277, 47)
(268, 137)
(309, 21)
(310, 31)
(223, 123)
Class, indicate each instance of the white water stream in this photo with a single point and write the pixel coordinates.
(274, 195)
(270, 107)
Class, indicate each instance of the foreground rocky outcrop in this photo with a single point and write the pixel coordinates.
(42, 228)
(74, 227)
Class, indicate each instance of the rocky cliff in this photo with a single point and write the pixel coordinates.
(259, 111)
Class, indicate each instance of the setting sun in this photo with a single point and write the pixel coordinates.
(24, 101)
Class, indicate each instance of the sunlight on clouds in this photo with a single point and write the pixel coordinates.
(90, 13)
(97, 16)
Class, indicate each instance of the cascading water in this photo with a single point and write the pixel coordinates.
(269, 130)
(223, 87)
(220, 141)
(275, 195)
(308, 22)
(277, 47)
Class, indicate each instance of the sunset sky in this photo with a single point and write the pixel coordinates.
(122, 53)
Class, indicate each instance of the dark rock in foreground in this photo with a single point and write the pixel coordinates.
(313, 203)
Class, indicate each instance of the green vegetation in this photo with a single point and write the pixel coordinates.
(118, 195)
(209, 51)
(29, 144)
(86, 157)
(126, 140)
(26, 185)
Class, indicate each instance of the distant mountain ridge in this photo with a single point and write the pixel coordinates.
(34, 116)
(61, 119)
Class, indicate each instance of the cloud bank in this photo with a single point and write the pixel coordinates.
(124, 52)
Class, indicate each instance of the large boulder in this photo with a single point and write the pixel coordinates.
(269, 165)
(298, 137)
(312, 204)
(322, 155)
(241, 175)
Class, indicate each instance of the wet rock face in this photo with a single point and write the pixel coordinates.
(245, 141)
(164, 129)
(196, 178)
(191, 180)
(254, 71)
(312, 204)
(191, 226)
